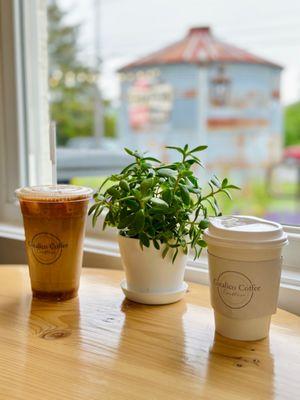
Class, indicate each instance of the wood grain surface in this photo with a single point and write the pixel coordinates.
(101, 346)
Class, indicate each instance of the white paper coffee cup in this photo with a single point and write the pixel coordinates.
(244, 255)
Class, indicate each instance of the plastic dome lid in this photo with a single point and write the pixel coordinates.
(54, 193)
(244, 231)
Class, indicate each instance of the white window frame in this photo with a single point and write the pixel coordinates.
(12, 142)
(24, 122)
(24, 145)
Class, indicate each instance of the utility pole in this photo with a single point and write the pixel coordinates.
(98, 103)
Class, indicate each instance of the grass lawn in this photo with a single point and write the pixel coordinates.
(93, 182)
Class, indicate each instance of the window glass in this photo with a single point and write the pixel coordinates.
(150, 74)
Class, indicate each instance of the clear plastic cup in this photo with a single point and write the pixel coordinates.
(54, 219)
(244, 255)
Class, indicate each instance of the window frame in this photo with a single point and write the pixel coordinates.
(24, 144)
(23, 101)
(13, 167)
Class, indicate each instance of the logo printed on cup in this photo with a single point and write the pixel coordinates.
(46, 247)
(235, 289)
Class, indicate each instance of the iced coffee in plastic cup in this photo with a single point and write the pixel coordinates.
(54, 220)
(244, 255)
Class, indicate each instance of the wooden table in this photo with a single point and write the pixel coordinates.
(101, 346)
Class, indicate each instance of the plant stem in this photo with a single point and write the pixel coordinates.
(211, 194)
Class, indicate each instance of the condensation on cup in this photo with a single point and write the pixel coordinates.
(244, 255)
(54, 219)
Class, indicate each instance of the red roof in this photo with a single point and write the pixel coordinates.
(199, 47)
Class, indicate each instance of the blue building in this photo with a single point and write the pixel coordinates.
(201, 90)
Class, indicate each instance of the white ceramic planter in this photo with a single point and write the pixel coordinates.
(151, 279)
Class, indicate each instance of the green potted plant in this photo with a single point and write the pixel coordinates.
(160, 211)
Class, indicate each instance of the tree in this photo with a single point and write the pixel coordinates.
(72, 83)
(292, 124)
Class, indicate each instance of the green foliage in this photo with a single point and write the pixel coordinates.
(72, 83)
(292, 124)
(110, 125)
(165, 204)
(73, 118)
(72, 100)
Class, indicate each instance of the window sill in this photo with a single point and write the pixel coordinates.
(104, 253)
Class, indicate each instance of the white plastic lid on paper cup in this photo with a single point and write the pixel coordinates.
(245, 232)
(236, 236)
(54, 193)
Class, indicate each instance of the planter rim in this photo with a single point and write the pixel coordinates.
(126, 237)
(131, 238)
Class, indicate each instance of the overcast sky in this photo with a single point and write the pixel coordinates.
(131, 28)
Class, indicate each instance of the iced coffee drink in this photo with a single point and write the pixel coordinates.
(54, 220)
